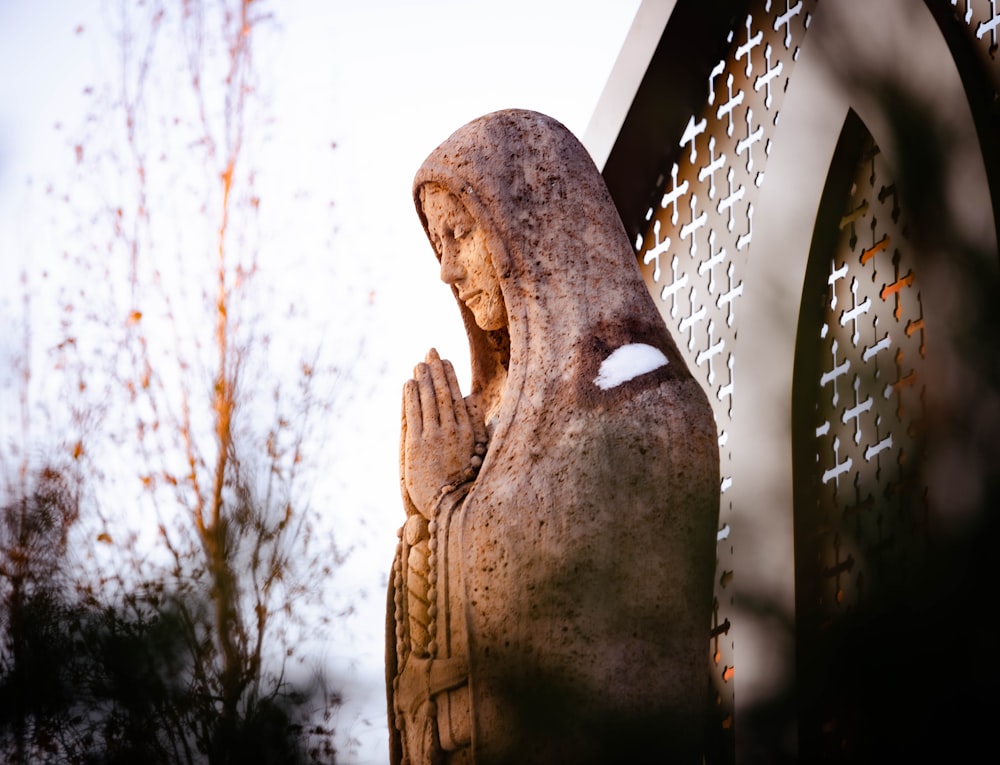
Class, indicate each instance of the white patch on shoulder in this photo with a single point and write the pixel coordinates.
(627, 362)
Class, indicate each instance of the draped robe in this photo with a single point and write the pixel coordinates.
(574, 575)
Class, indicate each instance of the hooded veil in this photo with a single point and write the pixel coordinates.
(578, 566)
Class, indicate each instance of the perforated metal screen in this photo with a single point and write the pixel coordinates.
(861, 342)
(694, 254)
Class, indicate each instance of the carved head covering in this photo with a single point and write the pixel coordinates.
(584, 554)
(572, 291)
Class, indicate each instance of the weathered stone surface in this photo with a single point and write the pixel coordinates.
(551, 593)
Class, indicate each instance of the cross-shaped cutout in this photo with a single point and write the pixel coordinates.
(708, 171)
(727, 108)
(660, 247)
(785, 19)
(764, 80)
(676, 192)
(697, 221)
(744, 49)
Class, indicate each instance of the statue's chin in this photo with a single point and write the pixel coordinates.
(489, 315)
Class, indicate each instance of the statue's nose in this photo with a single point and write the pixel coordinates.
(451, 267)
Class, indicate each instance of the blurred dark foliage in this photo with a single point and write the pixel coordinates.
(90, 682)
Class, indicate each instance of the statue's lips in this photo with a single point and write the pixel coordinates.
(470, 296)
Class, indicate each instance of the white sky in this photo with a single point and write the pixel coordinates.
(386, 80)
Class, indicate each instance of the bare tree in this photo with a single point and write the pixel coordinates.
(214, 413)
(228, 492)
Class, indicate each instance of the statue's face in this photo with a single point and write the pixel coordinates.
(466, 263)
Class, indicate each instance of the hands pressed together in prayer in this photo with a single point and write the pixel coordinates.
(443, 436)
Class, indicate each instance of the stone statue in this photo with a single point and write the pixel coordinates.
(551, 592)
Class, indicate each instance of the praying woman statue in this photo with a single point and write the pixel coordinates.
(551, 592)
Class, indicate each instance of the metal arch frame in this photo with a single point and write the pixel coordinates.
(813, 114)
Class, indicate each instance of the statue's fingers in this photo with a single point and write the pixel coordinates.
(402, 431)
(455, 391)
(403, 488)
(412, 418)
(428, 400)
(462, 419)
(442, 390)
